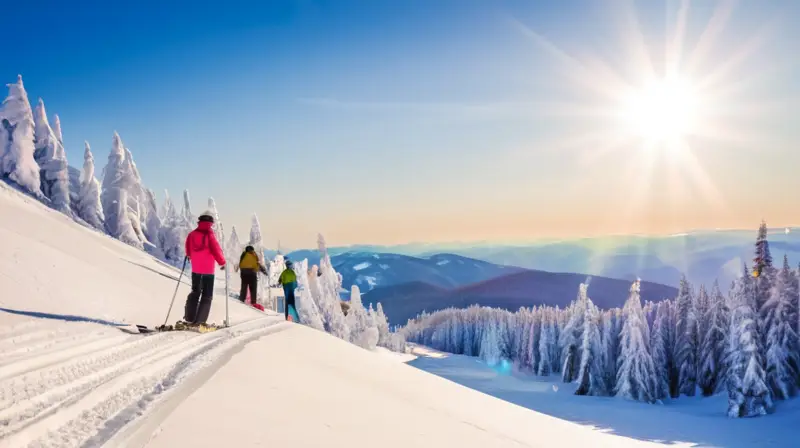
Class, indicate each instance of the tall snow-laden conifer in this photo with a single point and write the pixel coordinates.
(714, 338)
(782, 344)
(686, 339)
(117, 181)
(591, 380)
(636, 375)
(663, 352)
(17, 161)
(52, 160)
(572, 335)
(89, 207)
(748, 393)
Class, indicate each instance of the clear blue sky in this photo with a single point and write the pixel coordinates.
(391, 121)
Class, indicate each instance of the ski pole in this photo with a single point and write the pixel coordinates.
(227, 296)
(176, 290)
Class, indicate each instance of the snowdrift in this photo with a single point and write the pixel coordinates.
(68, 377)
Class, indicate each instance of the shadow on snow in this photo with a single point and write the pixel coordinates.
(64, 317)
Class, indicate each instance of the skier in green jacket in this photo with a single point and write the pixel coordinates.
(289, 281)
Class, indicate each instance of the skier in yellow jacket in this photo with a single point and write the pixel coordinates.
(250, 265)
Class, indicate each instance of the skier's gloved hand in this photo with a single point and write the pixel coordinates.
(222, 268)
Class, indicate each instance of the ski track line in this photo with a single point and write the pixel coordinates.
(23, 413)
(35, 341)
(73, 348)
(94, 407)
(142, 430)
(20, 387)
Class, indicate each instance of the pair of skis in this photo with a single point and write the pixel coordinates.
(179, 326)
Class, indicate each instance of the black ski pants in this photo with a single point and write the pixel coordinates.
(249, 281)
(198, 303)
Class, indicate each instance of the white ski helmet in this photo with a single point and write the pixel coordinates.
(207, 215)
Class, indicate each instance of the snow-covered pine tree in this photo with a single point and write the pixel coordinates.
(591, 379)
(173, 233)
(546, 342)
(636, 374)
(714, 338)
(17, 162)
(212, 205)
(306, 305)
(90, 209)
(382, 323)
(662, 344)
(748, 394)
(610, 335)
(234, 246)
(782, 344)
(116, 182)
(572, 336)
(686, 339)
(361, 333)
(329, 302)
(765, 277)
(52, 160)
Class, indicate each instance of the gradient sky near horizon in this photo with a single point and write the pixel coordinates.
(386, 122)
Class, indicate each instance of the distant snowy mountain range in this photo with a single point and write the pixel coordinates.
(512, 292)
(704, 256)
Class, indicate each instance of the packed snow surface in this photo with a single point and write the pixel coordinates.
(696, 421)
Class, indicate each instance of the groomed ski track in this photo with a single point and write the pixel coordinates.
(93, 382)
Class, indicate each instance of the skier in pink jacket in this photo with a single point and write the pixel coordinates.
(202, 249)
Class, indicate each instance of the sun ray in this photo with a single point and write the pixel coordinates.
(714, 28)
(674, 46)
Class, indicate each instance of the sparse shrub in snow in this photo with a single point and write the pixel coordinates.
(52, 160)
(748, 394)
(636, 375)
(17, 162)
(89, 207)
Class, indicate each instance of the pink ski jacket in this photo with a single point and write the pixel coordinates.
(203, 249)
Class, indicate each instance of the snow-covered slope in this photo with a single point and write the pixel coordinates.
(68, 377)
(302, 388)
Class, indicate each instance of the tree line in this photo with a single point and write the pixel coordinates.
(744, 344)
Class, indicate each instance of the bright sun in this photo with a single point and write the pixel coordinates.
(663, 111)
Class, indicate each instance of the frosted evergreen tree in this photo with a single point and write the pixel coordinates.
(610, 335)
(686, 340)
(89, 207)
(306, 305)
(186, 212)
(124, 222)
(212, 205)
(572, 336)
(117, 180)
(173, 233)
(663, 352)
(490, 343)
(329, 283)
(782, 344)
(765, 275)
(546, 343)
(234, 246)
(52, 160)
(636, 375)
(714, 338)
(591, 379)
(17, 161)
(363, 333)
(382, 323)
(748, 394)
